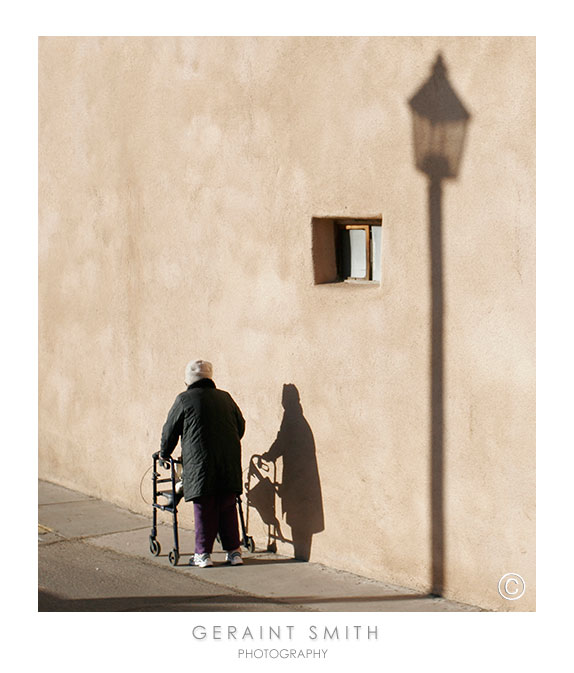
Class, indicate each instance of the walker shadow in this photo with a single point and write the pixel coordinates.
(439, 151)
(300, 489)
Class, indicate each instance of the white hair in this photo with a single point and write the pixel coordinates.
(197, 370)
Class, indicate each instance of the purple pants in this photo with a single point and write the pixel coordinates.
(216, 514)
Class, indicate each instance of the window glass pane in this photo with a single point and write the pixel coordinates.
(358, 253)
(376, 252)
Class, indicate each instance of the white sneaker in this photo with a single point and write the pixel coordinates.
(201, 561)
(234, 558)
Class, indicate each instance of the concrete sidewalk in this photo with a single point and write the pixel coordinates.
(95, 556)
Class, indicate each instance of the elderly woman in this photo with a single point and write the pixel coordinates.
(210, 426)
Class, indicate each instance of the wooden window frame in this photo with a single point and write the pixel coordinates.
(367, 229)
(366, 225)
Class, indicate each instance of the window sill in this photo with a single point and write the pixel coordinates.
(358, 281)
(350, 282)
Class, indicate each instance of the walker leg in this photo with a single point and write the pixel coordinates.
(154, 546)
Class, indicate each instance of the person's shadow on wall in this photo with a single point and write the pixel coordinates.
(300, 487)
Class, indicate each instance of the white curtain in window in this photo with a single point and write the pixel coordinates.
(358, 253)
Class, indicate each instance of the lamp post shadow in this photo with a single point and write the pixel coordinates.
(439, 124)
(437, 386)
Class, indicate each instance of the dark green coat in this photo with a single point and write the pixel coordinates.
(210, 426)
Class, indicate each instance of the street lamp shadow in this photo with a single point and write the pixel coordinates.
(439, 129)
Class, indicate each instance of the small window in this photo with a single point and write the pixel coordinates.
(347, 250)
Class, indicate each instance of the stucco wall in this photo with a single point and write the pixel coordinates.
(178, 179)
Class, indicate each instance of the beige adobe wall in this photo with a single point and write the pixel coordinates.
(178, 182)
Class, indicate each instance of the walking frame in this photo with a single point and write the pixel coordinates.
(171, 465)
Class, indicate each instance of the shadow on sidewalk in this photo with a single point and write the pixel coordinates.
(49, 602)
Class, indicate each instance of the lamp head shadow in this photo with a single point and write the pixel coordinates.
(439, 125)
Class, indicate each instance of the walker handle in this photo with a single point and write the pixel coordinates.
(260, 462)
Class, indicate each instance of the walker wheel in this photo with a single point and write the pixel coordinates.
(154, 546)
(250, 544)
(173, 557)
